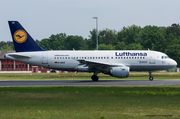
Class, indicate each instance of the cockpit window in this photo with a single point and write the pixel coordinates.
(165, 57)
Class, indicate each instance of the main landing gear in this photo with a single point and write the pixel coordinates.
(95, 77)
(150, 76)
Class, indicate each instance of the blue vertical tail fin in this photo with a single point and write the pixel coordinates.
(23, 42)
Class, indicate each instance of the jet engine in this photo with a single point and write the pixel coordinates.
(120, 72)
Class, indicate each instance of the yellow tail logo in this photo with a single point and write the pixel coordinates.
(20, 36)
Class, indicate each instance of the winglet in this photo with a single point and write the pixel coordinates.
(23, 42)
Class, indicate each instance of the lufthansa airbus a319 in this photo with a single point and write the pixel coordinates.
(117, 63)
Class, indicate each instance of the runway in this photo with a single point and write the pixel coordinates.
(86, 82)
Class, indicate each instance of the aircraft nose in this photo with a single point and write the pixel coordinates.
(173, 62)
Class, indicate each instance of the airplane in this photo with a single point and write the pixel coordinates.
(116, 63)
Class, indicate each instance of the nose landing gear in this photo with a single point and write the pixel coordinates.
(150, 76)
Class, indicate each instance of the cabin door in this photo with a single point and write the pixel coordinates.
(151, 58)
(45, 58)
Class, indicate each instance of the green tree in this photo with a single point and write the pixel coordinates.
(75, 42)
(134, 46)
(174, 52)
(131, 34)
(153, 37)
(6, 47)
(107, 37)
(45, 44)
(85, 45)
(105, 47)
(92, 43)
(120, 46)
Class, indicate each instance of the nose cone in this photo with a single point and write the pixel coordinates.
(173, 63)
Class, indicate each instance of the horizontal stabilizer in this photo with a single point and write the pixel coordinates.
(14, 55)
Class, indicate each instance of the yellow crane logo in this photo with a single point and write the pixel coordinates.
(20, 36)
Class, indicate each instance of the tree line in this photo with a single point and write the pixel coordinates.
(163, 39)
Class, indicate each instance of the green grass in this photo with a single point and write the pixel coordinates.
(85, 76)
(90, 102)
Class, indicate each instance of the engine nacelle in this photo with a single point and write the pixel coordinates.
(120, 72)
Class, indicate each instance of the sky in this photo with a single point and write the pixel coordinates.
(42, 18)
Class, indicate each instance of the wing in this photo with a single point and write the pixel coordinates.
(97, 64)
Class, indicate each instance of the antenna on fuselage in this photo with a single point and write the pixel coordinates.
(148, 49)
(73, 49)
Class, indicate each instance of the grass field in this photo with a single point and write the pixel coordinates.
(93, 102)
(85, 76)
(90, 102)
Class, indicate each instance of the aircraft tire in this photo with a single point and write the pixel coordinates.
(94, 78)
(151, 78)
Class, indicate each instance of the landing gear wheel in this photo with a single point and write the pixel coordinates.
(151, 78)
(94, 78)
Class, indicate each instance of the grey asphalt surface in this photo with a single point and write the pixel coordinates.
(86, 82)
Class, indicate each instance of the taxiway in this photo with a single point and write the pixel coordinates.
(86, 82)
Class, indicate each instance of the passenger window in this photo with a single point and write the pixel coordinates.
(129, 57)
(101, 57)
(140, 57)
(104, 57)
(54, 57)
(124, 57)
(118, 57)
(111, 57)
(132, 57)
(107, 57)
(57, 57)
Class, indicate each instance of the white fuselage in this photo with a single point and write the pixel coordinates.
(136, 60)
